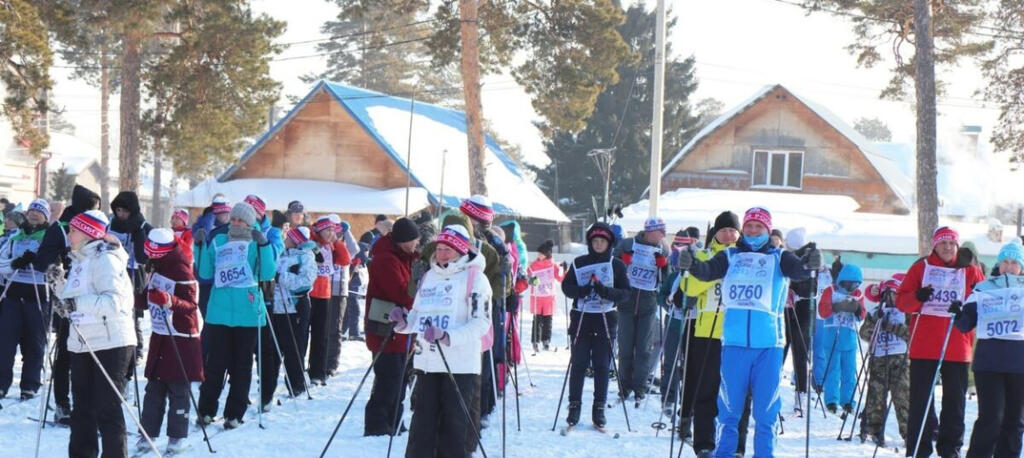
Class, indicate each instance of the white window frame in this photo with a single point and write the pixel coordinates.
(768, 170)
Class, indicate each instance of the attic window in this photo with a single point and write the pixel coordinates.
(777, 169)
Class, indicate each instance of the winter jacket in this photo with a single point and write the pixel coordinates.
(709, 296)
(55, 246)
(335, 255)
(619, 291)
(745, 327)
(466, 321)
(840, 327)
(273, 235)
(27, 239)
(995, 354)
(542, 295)
(291, 286)
(390, 273)
(102, 294)
(199, 247)
(131, 232)
(185, 242)
(174, 271)
(927, 341)
(240, 306)
(645, 300)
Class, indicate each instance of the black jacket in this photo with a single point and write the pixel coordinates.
(617, 293)
(55, 246)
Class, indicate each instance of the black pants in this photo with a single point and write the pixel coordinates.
(337, 308)
(388, 375)
(997, 431)
(22, 324)
(97, 407)
(440, 428)
(62, 364)
(204, 299)
(798, 322)
(231, 352)
(592, 348)
(487, 385)
(700, 395)
(950, 422)
(319, 323)
(293, 348)
(541, 329)
(350, 326)
(169, 397)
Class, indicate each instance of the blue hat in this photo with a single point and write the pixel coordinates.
(1013, 250)
(850, 273)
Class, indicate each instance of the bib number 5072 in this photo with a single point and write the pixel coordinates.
(998, 328)
(745, 291)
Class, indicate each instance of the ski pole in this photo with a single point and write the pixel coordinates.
(46, 350)
(568, 342)
(515, 367)
(280, 354)
(608, 335)
(670, 387)
(812, 311)
(931, 391)
(458, 394)
(295, 345)
(867, 378)
(184, 373)
(565, 380)
(401, 389)
(861, 372)
(682, 385)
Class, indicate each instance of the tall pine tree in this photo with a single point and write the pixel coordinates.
(622, 119)
(25, 59)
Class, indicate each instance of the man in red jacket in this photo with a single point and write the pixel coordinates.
(390, 270)
(931, 285)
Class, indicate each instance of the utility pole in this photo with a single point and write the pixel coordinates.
(659, 100)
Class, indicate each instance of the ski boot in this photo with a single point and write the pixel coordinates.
(574, 413)
(27, 394)
(832, 407)
(847, 409)
(536, 348)
(597, 415)
(204, 420)
(176, 445)
(798, 402)
(704, 454)
(547, 345)
(62, 415)
(684, 428)
(232, 423)
(141, 445)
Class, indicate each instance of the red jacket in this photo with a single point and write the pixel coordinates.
(926, 342)
(162, 363)
(390, 271)
(184, 236)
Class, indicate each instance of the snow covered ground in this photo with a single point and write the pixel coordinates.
(300, 428)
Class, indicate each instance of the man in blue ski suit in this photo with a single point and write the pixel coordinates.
(754, 292)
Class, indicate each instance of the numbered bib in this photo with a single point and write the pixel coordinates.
(1000, 313)
(887, 343)
(77, 282)
(594, 303)
(643, 271)
(824, 281)
(232, 266)
(748, 283)
(545, 282)
(948, 285)
(26, 274)
(326, 268)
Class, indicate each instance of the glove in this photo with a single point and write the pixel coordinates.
(534, 281)
(565, 266)
(357, 262)
(397, 316)
(955, 308)
(434, 334)
(627, 258)
(845, 306)
(585, 290)
(677, 299)
(258, 237)
(661, 261)
(813, 260)
(294, 269)
(319, 257)
(55, 278)
(199, 236)
(521, 285)
(684, 260)
(25, 259)
(924, 293)
(160, 298)
(601, 290)
(64, 307)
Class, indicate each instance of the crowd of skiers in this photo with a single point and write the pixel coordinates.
(706, 323)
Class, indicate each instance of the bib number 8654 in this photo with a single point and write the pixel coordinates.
(231, 275)
(745, 291)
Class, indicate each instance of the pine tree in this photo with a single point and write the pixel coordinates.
(62, 183)
(873, 129)
(622, 119)
(1004, 71)
(25, 60)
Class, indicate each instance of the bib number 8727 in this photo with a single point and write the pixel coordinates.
(745, 291)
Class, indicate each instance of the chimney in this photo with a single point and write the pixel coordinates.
(970, 136)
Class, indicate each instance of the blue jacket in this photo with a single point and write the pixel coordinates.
(753, 328)
(841, 328)
(238, 307)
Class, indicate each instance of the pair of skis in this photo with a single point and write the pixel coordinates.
(603, 430)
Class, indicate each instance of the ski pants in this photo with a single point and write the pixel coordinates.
(292, 338)
(950, 422)
(798, 321)
(23, 323)
(841, 377)
(169, 396)
(337, 308)
(488, 385)
(637, 328)
(700, 395)
(997, 431)
(592, 348)
(350, 326)
(440, 428)
(388, 374)
(674, 331)
(97, 407)
(820, 354)
(319, 335)
(757, 371)
(61, 373)
(887, 376)
(231, 354)
(541, 331)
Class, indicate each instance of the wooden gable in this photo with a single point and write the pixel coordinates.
(779, 121)
(322, 141)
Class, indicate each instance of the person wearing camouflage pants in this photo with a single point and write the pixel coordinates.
(888, 372)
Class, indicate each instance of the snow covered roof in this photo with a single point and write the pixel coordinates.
(890, 171)
(830, 220)
(317, 196)
(435, 131)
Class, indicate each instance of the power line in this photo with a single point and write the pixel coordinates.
(356, 34)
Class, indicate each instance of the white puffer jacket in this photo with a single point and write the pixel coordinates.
(292, 286)
(102, 292)
(463, 283)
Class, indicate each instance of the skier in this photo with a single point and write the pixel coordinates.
(994, 307)
(237, 261)
(23, 322)
(130, 227)
(544, 273)
(296, 272)
(179, 224)
(98, 299)
(359, 278)
(597, 284)
(753, 294)
(887, 371)
(171, 296)
(842, 308)
(930, 287)
(296, 214)
(798, 319)
(670, 298)
(55, 250)
(330, 254)
(338, 304)
(646, 259)
(214, 221)
(449, 316)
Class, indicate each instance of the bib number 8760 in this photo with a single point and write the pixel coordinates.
(745, 291)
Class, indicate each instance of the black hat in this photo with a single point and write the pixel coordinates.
(546, 248)
(405, 230)
(127, 200)
(724, 220)
(277, 219)
(777, 233)
(295, 207)
(380, 218)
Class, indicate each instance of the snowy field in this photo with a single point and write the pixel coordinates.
(300, 428)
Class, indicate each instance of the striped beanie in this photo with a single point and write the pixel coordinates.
(220, 205)
(323, 223)
(760, 215)
(478, 207)
(298, 235)
(454, 236)
(257, 204)
(943, 234)
(40, 206)
(159, 242)
(653, 224)
(181, 214)
(335, 222)
(92, 223)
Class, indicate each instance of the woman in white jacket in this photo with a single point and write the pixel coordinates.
(97, 297)
(452, 310)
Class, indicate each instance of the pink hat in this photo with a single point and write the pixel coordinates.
(220, 205)
(298, 235)
(92, 223)
(323, 223)
(760, 215)
(945, 233)
(454, 236)
(478, 207)
(181, 214)
(257, 204)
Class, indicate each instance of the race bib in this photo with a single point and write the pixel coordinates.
(160, 316)
(436, 301)
(748, 283)
(326, 268)
(841, 320)
(545, 282)
(594, 303)
(26, 274)
(1000, 313)
(887, 343)
(643, 271)
(948, 285)
(232, 266)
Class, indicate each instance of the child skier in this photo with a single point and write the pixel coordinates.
(179, 224)
(171, 297)
(842, 308)
(887, 371)
(544, 273)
